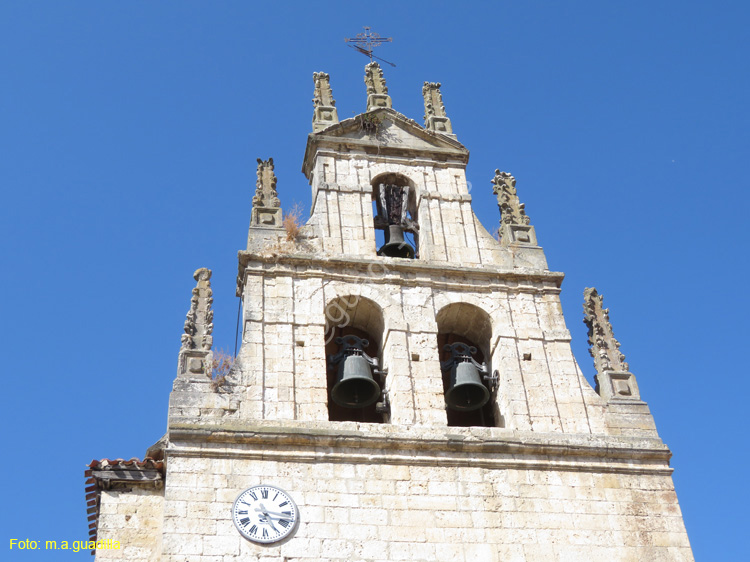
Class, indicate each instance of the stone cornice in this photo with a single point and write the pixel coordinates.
(475, 447)
(442, 146)
(408, 272)
(406, 160)
(463, 197)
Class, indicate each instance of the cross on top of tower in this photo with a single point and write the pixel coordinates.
(367, 41)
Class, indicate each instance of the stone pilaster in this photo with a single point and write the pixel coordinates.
(514, 223)
(195, 353)
(604, 348)
(266, 220)
(196, 394)
(435, 118)
(626, 413)
(377, 91)
(324, 114)
(266, 205)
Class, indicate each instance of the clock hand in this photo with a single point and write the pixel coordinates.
(266, 515)
(275, 514)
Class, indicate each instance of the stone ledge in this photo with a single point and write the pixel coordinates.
(367, 443)
(382, 267)
(432, 195)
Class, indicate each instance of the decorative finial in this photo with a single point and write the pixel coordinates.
(511, 209)
(199, 320)
(604, 348)
(514, 224)
(325, 113)
(266, 205)
(614, 381)
(435, 118)
(377, 91)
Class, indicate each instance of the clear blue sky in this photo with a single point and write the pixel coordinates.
(128, 138)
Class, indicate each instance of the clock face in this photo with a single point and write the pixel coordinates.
(265, 514)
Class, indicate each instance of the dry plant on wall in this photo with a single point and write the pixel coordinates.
(222, 364)
(292, 222)
(293, 240)
(370, 124)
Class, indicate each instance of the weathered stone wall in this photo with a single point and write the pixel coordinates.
(418, 509)
(281, 367)
(342, 218)
(132, 516)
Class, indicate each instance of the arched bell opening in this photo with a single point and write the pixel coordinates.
(464, 332)
(395, 216)
(354, 329)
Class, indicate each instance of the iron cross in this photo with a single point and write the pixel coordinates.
(367, 41)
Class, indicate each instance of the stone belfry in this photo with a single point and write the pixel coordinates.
(405, 388)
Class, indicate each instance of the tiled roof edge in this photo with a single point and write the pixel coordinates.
(93, 483)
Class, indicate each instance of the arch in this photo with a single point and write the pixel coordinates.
(468, 321)
(393, 177)
(352, 315)
(378, 295)
(394, 200)
(461, 322)
(356, 312)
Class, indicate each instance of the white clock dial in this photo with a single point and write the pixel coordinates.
(265, 514)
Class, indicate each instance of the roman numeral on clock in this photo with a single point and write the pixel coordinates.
(264, 493)
(284, 523)
(244, 521)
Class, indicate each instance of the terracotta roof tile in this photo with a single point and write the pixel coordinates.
(93, 487)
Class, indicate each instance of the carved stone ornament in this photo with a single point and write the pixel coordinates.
(433, 100)
(511, 210)
(603, 346)
(323, 93)
(324, 113)
(265, 186)
(199, 319)
(266, 205)
(374, 79)
(377, 91)
(435, 118)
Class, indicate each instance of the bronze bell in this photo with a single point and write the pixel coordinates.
(396, 247)
(355, 387)
(393, 201)
(466, 392)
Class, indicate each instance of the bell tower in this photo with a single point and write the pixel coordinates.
(405, 388)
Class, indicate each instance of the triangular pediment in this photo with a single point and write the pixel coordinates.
(387, 126)
(388, 132)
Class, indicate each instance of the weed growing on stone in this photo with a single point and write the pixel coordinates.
(292, 223)
(222, 364)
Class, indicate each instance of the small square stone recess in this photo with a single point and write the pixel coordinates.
(621, 386)
(523, 234)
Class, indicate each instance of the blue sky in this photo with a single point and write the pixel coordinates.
(128, 138)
